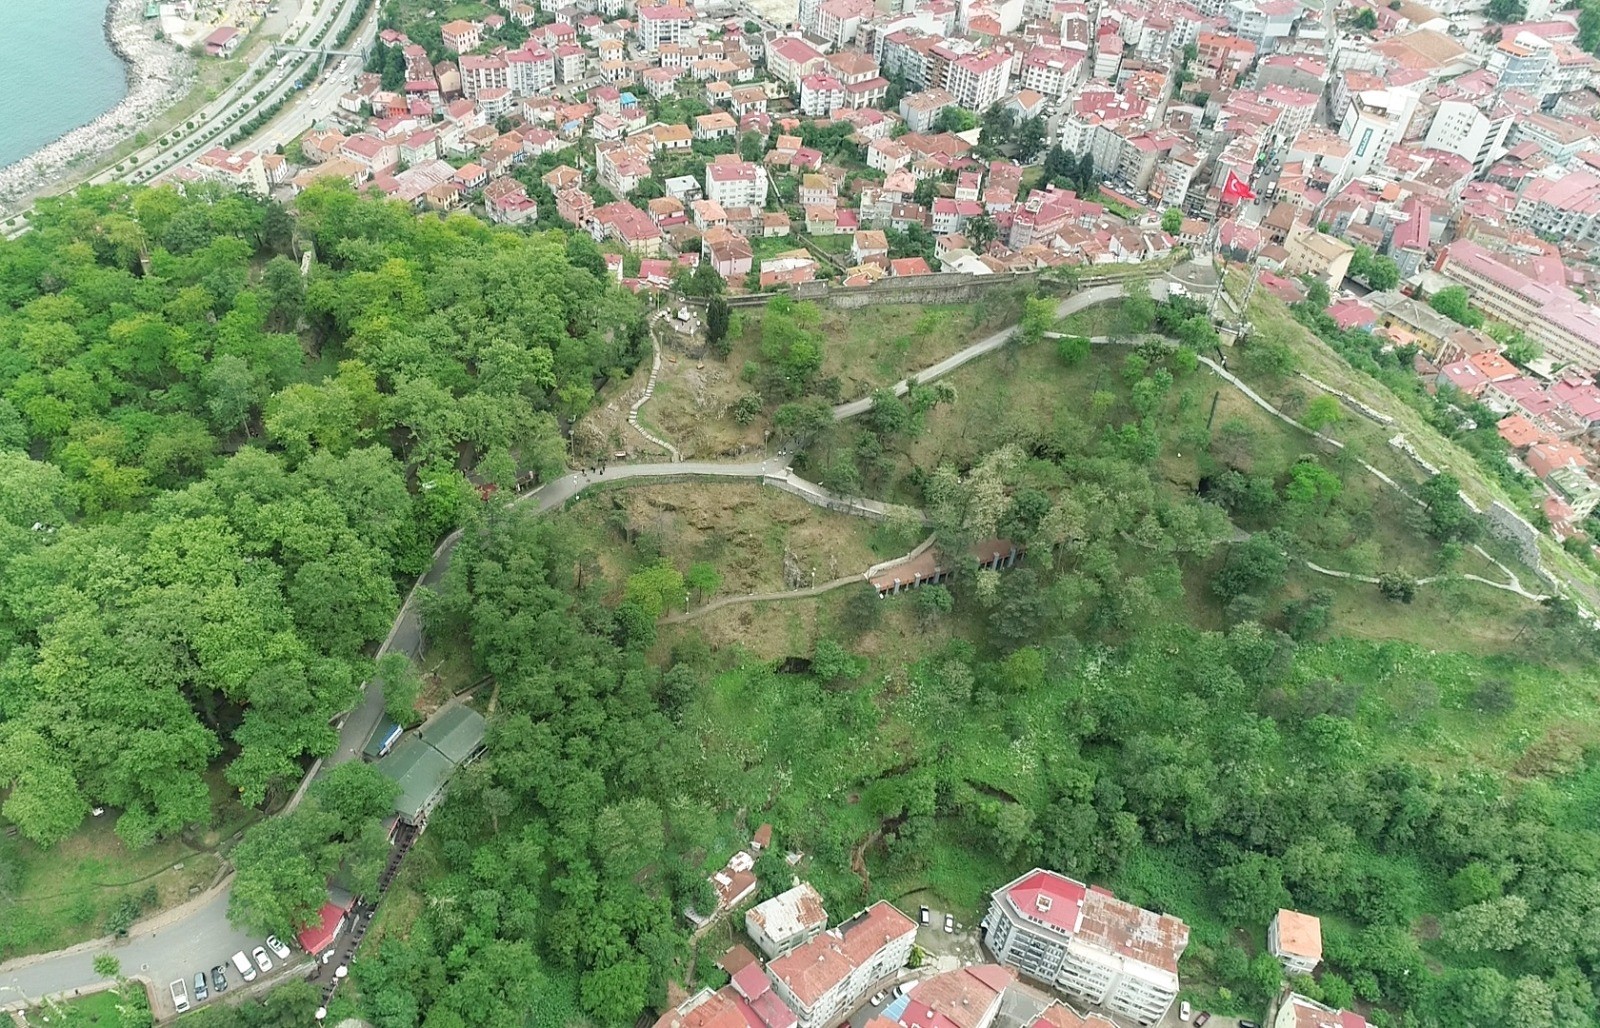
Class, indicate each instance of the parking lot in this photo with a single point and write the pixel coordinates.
(265, 959)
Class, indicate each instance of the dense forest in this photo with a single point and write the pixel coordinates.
(220, 470)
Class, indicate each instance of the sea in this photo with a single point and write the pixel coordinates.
(57, 71)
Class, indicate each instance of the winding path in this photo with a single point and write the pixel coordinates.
(175, 943)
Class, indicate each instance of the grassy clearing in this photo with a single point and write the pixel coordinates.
(64, 894)
(99, 1008)
(741, 530)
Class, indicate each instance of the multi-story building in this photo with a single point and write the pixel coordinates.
(787, 920)
(530, 70)
(820, 94)
(242, 170)
(1297, 108)
(1051, 70)
(735, 183)
(481, 73)
(1296, 940)
(1561, 204)
(462, 36)
(791, 59)
(1371, 126)
(978, 80)
(1474, 130)
(658, 25)
(1548, 313)
(825, 977)
(1087, 943)
(921, 110)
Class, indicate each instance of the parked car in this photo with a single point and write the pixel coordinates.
(200, 992)
(242, 963)
(219, 979)
(180, 996)
(1201, 1018)
(262, 960)
(1184, 1010)
(927, 916)
(278, 949)
(1248, 1024)
(878, 998)
(949, 923)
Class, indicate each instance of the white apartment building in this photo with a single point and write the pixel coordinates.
(480, 73)
(822, 979)
(787, 920)
(1550, 314)
(1296, 940)
(1467, 130)
(658, 25)
(1087, 943)
(820, 94)
(1052, 71)
(530, 70)
(736, 183)
(978, 80)
(1371, 128)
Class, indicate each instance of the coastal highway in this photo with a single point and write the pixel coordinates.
(324, 18)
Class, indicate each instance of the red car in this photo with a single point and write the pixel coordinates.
(1201, 1018)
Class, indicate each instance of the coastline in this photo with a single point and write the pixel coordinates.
(158, 75)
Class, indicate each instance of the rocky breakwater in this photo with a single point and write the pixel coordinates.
(159, 74)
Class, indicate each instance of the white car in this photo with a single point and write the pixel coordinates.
(1184, 1010)
(278, 949)
(262, 960)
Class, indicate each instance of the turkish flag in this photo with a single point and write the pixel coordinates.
(1236, 189)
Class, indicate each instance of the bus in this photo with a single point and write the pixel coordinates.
(383, 739)
(283, 62)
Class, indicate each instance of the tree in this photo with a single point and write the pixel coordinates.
(1256, 565)
(1454, 303)
(1397, 586)
(705, 281)
(1171, 221)
(1383, 274)
(1038, 314)
(1447, 516)
(1322, 412)
(1366, 19)
(1507, 11)
(832, 662)
(107, 966)
(717, 321)
(703, 579)
(655, 588)
(1073, 350)
(401, 686)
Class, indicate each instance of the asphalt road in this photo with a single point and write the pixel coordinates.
(196, 936)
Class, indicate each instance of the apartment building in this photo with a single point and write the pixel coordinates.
(530, 70)
(1474, 130)
(1296, 940)
(1561, 204)
(822, 979)
(482, 73)
(462, 36)
(787, 920)
(921, 110)
(1051, 71)
(978, 80)
(820, 94)
(791, 59)
(1087, 943)
(1549, 314)
(735, 183)
(1317, 254)
(659, 25)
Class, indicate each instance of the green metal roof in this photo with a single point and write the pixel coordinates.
(456, 732)
(421, 772)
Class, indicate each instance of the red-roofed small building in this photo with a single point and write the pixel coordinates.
(223, 41)
(1518, 432)
(331, 920)
(902, 267)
